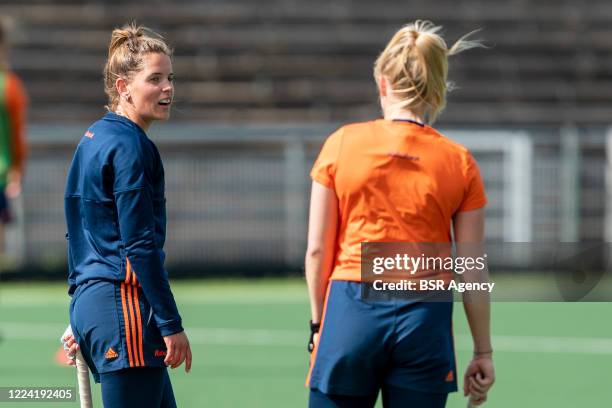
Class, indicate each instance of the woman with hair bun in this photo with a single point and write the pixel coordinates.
(394, 179)
(123, 314)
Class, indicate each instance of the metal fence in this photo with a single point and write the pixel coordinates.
(238, 196)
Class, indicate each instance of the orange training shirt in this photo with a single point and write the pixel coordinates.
(396, 181)
(13, 105)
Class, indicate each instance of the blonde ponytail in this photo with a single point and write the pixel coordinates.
(415, 63)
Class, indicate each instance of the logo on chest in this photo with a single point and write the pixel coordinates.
(404, 156)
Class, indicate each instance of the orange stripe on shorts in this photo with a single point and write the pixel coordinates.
(128, 270)
(134, 278)
(126, 321)
(133, 325)
(139, 325)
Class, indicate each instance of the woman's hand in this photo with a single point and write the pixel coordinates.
(13, 187)
(70, 346)
(478, 379)
(178, 351)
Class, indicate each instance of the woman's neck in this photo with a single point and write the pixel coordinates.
(133, 117)
(404, 115)
(390, 109)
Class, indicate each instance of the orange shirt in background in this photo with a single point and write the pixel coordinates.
(13, 105)
(396, 181)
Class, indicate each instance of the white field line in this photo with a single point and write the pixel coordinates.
(296, 338)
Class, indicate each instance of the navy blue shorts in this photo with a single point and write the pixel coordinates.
(114, 326)
(364, 346)
(5, 211)
(139, 388)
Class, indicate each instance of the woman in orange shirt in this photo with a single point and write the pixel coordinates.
(394, 179)
(13, 150)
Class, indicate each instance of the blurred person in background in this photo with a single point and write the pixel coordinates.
(13, 148)
(123, 315)
(394, 179)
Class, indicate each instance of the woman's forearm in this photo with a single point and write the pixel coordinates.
(322, 227)
(469, 237)
(476, 303)
(478, 315)
(318, 269)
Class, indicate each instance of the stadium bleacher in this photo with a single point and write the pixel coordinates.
(287, 61)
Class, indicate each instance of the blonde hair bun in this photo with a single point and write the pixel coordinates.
(127, 47)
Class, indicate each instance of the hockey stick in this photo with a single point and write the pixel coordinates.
(83, 381)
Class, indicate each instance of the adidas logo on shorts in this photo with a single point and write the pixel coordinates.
(110, 354)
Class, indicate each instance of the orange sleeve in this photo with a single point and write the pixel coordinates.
(17, 102)
(475, 196)
(324, 169)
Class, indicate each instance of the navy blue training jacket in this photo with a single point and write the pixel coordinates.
(116, 214)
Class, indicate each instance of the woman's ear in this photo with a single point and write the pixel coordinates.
(382, 86)
(122, 88)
